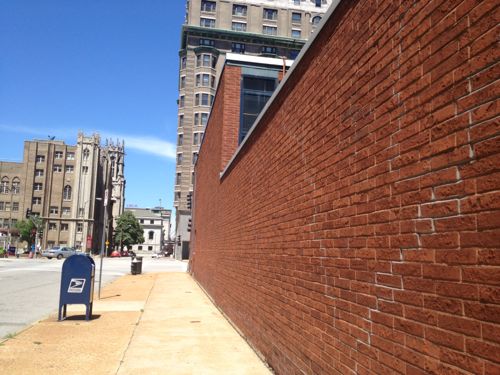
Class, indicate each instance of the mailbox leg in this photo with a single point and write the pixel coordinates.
(62, 308)
(88, 311)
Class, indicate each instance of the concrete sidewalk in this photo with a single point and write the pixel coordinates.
(159, 323)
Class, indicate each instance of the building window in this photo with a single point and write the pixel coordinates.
(318, 3)
(256, 91)
(296, 33)
(38, 172)
(179, 159)
(57, 168)
(296, 2)
(197, 138)
(240, 10)
(204, 99)
(13, 222)
(52, 226)
(192, 177)
(177, 195)
(269, 30)
(204, 119)
(315, 20)
(293, 54)
(53, 210)
(67, 193)
(64, 227)
(183, 62)
(16, 186)
(208, 6)
(40, 158)
(151, 235)
(141, 221)
(182, 82)
(207, 42)
(4, 185)
(66, 211)
(37, 186)
(296, 17)
(70, 156)
(85, 169)
(270, 14)
(58, 155)
(139, 247)
(206, 60)
(195, 158)
(178, 178)
(207, 22)
(180, 139)
(2, 206)
(37, 200)
(151, 221)
(70, 169)
(269, 50)
(15, 206)
(81, 211)
(181, 121)
(181, 101)
(79, 227)
(239, 26)
(238, 48)
(86, 154)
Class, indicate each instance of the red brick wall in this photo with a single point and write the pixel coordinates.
(358, 230)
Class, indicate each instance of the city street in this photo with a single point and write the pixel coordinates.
(29, 288)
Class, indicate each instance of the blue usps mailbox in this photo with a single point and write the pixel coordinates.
(77, 284)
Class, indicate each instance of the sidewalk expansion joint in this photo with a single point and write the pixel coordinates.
(135, 328)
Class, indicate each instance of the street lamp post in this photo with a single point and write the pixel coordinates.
(103, 240)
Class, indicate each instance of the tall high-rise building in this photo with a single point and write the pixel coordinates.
(66, 186)
(277, 28)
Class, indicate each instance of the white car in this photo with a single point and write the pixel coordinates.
(59, 252)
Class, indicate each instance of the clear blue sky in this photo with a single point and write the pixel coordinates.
(107, 66)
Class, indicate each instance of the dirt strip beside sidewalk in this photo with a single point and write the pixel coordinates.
(76, 346)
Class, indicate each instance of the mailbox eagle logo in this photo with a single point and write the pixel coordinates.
(76, 285)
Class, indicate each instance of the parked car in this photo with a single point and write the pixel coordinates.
(59, 252)
(115, 254)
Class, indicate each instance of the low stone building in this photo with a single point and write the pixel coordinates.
(156, 224)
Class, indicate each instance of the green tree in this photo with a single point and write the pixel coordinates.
(29, 228)
(27, 231)
(128, 231)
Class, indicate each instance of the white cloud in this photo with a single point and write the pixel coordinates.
(148, 145)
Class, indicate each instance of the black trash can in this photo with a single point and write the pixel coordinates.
(136, 266)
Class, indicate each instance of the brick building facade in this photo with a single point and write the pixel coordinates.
(356, 229)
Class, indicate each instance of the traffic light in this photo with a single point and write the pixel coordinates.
(178, 240)
(189, 200)
(28, 213)
(189, 225)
